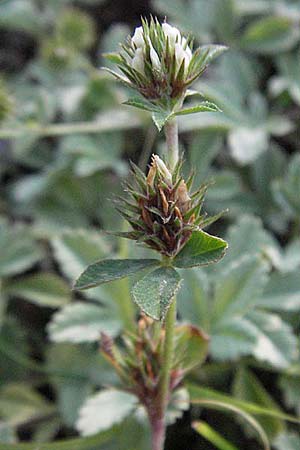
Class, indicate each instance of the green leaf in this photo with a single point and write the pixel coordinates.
(270, 34)
(155, 291)
(115, 406)
(248, 387)
(282, 293)
(76, 249)
(202, 107)
(237, 288)
(286, 191)
(196, 19)
(275, 341)
(111, 269)
(19, 404)
(213, 436)
(19, 251)
(241, 236)
(82, 322)
(232, 339)
(210, 144)
(142, 103)
(226, 20)
(44, 289)
(290, 260)
(287, 441)
(290, 386)
(200, 250)
(94, 153)
(213, 51)
(247, 144)
(73, 371)
(20, 14)
(191, 347)
(193, 303)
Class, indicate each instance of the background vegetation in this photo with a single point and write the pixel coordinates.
(65, 144)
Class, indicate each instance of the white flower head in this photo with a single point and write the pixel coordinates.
(156, 61)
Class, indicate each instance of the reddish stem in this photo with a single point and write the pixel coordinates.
(158, 433)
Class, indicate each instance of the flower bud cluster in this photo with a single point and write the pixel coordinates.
(162, 211)
(138, 362)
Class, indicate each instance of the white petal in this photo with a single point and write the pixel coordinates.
(138, 37)
(179, 54)
(172, 33)
(154, 58)
(162, 168)
(138, 60)
(182, 54)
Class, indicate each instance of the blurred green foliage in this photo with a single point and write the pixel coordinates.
(65, 143)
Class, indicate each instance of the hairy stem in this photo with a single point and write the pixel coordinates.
(167, 356)
(158, 416)
(158, 420)
(158, 433)
(171, 132)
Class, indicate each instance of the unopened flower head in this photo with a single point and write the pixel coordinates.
(159, 62)
(162, 211)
